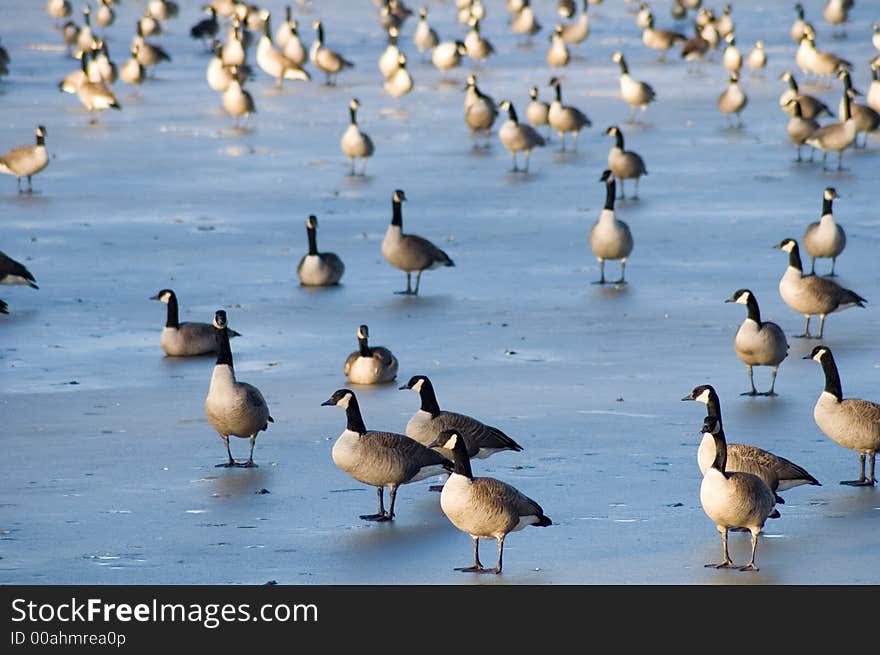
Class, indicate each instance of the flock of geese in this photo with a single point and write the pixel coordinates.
(741, 483)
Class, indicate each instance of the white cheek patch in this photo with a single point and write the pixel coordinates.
(343, 402)
(165, 297)
(451, 442)
(743, 298)
(418, 385)
(703, 397)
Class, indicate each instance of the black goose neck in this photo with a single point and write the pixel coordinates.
(352, 113)
(720, 461)
(610, 192)
(558, 93)
(224, 352)
(428, 398)
(826, 205)
(41, 139)
(511, 113)
(461, 462)
(792, 84)
(313, 239)
(353, 419)
(832, 377)
(623, 68)
(794, 258)
(364, 347)
(753, 309)
(396, 213)
(618, 139)
(172, 320)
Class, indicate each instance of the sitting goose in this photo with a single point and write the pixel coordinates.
(625, 164)
(835, 137)
(355, 142)
(318, 269)
(409, 252)
(370, 364)
(853, 423)
(483, 507)
(825, 237)
(380, 459)
(233, 408)
(733, 499)
(188, 338)
(799, 128)
(778, 473)
(810, 106)
(811, 294)
(26, 161)
(610, 237)
(565, 118)
(518, 137)
(326, 59)
(757, 342)
(634, 92)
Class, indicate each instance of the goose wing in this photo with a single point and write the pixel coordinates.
(476, 434)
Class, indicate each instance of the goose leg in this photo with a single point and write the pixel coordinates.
(806, 334)
(840, 160)
(824, 157)
(418, 279)
(408, 291)
(514, 169)
(601, 279)
(364, 168)
(751, 565)
(726, 562)
(753, 392)
(351, 163)
(477, 567)
(622, 192)
(772, 381)
(500, 554)
(250, 461)
(833, 262)
(30, 188)
(821, 325)
(635, 188)
(813, 266)
(19, 184)
(862, 481)
(799, 152)
(526, 164)
(230, 461)
(622, 271)
(632, 115)
(381, 515)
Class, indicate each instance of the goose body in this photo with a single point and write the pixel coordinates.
(355, 143)
(732, 58)
(132, 71)
(233, 408)
(218, 73)
(237, 101)
(624, 164)
(447, 55)
(537, 111)
(425, 37)
(388, 60)
(695, 48)
(380, 459)
(778, 473)
(370, 364)
(26, 161)
(478, 47)
(150, 54)
(810, 294)
(757, 58)
(283, 31)
(480, 110)
(187, 338)
(59, 8)
(101, 68)
(635, 93)
(326, 59)
(558, 54)
(799, 128)
(810, 106)
(799, 26)
(835, 137)
(825, 238)
(409, 252)
(399, 82)
(273, 62)
(318, 269)
(578, 29)
(524, 20)
(610, 237)
(866, 119)
(853, 423)
(821, 63)
(234, 52)
(734, 499)
(518, 137)
(483, 507)
(565, 119)
(206, 29)
(660, 40)
(733, 99)
(757, 342)
(292, 46)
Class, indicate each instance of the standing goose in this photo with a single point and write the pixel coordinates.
(731, 57)
(370, 364)
(565, 118)
(233, 408)
(825, 237)
(234, 51)
(518, 137)
(811, 294)
(380, 459)
(558, 54)
(694, 49)
(634, 92)
(483, 507)
(733, 499)
(610, 237)
(822, 63)
(272, 61)
(851, 422)
(355, 143)
(26, 161)
(524, 21)
(293, 47)
(237, 101)
(660, 40)
(799, 26)
(478, 47)
(732, 100)
(188, 338)
(430, 421)
(625, 164)
(537, 111)
(778, 473)
(447, 55)
(327, 60)
(724, 23)
(318, 269)
(800, 128)
(389, 57)
(206, 29)
(282, 33)
(835, 137)
(757, 342)
(95, 96)
(399, 82)
(836, 12)
(757, 59)
(409, 252)
(101, 68)
(579, 29)
(105, 15)
(810, 106)
(642, 15)
(867, 120)
(132, 71)
(149, 54)
(59, 8)
(425, 37)
(480, 110)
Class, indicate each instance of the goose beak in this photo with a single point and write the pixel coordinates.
(402, 387)
(329, 401)
(156, 297)
(687, 398)
(439, 441)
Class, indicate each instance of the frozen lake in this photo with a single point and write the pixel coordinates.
(110, 471)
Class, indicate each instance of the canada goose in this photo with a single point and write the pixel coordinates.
(207, 28)
(565, 118)
(799, 128)
(329, 61)
(188, 338)
(85, 38)
(149, 54)
(389, 57)
(399, 82)
(558, 54)
(237, 101)
(825, 237)
(476, 45)
(355, 142)
(732, 58)
(724, 23)
(799, 25)
(733, 499)
(318, 269)
(757, 342)
(660, 40)
(643, 15)
(149, 25)
(59, 8)
(293, 47)
(481, 440)
(821, 63)
(425, 37)
(380, 459)
(867, 120)
(271, 60)
(537, 111)
(101, 68)
(282, 32)
(836, 12)
(72, 80)
(565, 8)
(218, 74)
(104, 16)
(853, 423)
(483, 507)
(579, 29)
(132, 71)
(694, 49)
(370, 364)
(26, 161)
(810, 106)
(13, 272)
(480, 110)
(624, 164)
(70, 35)
(778, 473)
(707, 27)
(94, 96)
(524, 20)
(447, 55)
(732, 100)
(634, 92)
(811, 294)
(409, 252)
(163, 9)
(757, 58)
(233, 408)
(234, 51)
(518, 137)
(393, 13)
(610, 237)
(835, 136)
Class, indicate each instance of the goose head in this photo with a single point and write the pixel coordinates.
(220, 319)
